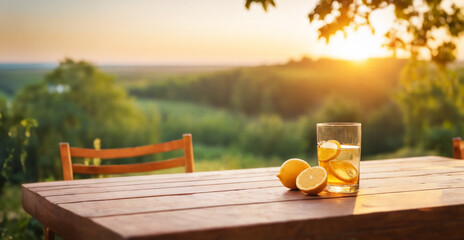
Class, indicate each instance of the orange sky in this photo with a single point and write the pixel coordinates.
(172, 32)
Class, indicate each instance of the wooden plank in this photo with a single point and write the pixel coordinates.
(143, 184)
(411, 225)
(268, 180)
(377, 211)
(92, 194)
(408, 160)
(408, 173)
(128, 168)
(168, 177)
(127, 152)
(433, 164)
(65, 223)
(159, 192)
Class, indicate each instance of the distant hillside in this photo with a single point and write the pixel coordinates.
(289, 90)
(15, 76)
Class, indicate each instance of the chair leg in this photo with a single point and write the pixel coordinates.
(48, 234)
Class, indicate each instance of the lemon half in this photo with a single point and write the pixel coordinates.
(312, 180)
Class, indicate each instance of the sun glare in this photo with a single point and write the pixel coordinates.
(357, 46)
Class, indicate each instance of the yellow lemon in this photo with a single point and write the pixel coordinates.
(328, 150)
(312, 180)
(344, 171)
(290, 170)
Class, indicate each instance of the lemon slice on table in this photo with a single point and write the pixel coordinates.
(328, 150)
(312, 180)
(344, 171)
(290, 170)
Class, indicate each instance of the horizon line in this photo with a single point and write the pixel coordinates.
(47, 64)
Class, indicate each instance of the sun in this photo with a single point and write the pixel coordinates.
(357, 46)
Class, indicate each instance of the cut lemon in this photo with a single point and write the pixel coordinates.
(312, 180)
(290, 170)
(344, 171)
(328, 150)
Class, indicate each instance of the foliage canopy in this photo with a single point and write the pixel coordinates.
(14, 139)
(77, 103)
(421, 27)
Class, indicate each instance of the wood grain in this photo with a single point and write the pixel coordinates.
(215, 199)
(217, 221)
(172, 188)
(171, 200)
(158, 178)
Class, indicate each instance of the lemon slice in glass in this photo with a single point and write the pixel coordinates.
(344, 171)
(328, 150)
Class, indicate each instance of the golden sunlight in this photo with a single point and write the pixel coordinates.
(358, 45)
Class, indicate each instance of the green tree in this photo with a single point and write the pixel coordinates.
(383, 130)
(432, 26)
(432, 103)
(270, 136)
(14, 138)
(77, 103)
(339, 109)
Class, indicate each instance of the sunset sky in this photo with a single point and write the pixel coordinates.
(174, 32)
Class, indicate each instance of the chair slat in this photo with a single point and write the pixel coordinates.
(127, 152)
(129, 168)
(458, 148)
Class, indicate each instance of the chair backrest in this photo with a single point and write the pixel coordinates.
(458, 148)
(69, 168)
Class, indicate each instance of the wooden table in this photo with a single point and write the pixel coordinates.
(409, 198)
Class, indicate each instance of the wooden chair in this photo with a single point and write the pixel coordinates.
(458, 148)
(69, 168)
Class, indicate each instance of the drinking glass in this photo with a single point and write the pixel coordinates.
(339, 152)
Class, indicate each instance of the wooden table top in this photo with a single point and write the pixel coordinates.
(408, 198)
